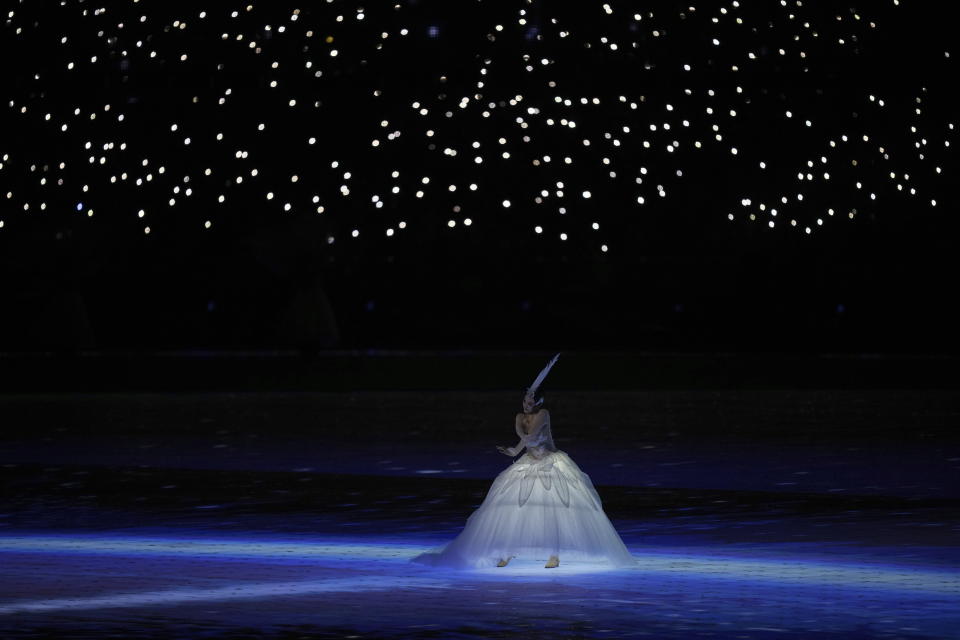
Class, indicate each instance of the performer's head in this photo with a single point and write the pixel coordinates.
(530, 403)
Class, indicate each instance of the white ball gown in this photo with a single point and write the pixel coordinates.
(542, 505)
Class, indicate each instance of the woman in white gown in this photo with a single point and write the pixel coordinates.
(542, 507)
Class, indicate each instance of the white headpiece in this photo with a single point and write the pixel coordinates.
(532, 389)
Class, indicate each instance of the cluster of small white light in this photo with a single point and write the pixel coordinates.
(581, 145)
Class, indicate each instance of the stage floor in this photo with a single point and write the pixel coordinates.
(751, 515)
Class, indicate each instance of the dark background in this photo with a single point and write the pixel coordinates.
(679, 276)
(768, 414)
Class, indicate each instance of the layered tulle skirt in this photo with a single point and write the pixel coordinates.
(536, 508)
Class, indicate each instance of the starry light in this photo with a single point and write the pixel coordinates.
(564, 123)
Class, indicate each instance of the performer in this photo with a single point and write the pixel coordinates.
(542, 507)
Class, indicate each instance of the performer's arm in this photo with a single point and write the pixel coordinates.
(512, 451)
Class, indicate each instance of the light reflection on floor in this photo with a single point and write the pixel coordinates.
(219, 594)
(385, 553)
(45, 577)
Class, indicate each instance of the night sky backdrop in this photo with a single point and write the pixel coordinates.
(747, 176)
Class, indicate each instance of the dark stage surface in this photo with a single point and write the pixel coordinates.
(752, 513)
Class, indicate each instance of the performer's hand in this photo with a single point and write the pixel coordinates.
(504, 451)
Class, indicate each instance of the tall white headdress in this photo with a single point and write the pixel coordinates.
(532, 389)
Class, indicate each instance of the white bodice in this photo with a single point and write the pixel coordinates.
(539, 443)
